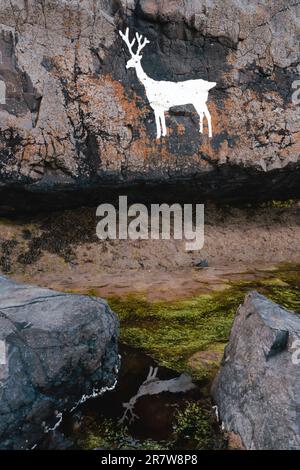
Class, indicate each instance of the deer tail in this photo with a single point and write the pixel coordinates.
(211, 85)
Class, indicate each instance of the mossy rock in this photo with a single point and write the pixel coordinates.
(205, 364)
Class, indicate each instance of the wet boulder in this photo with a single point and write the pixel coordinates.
(56, 351)
(257, 390)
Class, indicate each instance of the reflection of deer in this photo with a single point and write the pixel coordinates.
(164, 95)
(153, 386)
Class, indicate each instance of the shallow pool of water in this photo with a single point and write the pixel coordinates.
(161, 415)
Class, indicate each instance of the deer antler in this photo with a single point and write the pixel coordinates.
(128, 409)
(126, 39)
(141, 44)
(130, 45)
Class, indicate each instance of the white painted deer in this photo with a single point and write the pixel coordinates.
(163, 95)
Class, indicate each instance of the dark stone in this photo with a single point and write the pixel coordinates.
(257, 389)
(201, 263)
(59, 348)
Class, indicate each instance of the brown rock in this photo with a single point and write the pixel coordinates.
(76, 125)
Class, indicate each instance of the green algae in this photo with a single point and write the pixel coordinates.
(281, 204)
(193, 428)
(173, 331)
(110, 435)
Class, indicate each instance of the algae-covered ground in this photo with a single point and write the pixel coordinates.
(193, 429)
(190, 334)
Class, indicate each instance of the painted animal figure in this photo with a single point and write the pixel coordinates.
(163, 95)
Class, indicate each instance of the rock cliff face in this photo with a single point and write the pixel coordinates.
(76, 125)
(257, 387)
(55, 350)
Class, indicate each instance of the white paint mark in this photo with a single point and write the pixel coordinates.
(296, 353)
(2, 353)
(296, 94)
(216, 410)
(163, 95)
(95, 394)
(2, 92)
(56, 425)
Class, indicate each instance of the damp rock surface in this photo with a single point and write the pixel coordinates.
(56, 350)
(75, 124)
(257, 387)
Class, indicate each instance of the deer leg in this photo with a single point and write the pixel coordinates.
(201, 116)
(208, 117)
(163, 123)
(158, 126)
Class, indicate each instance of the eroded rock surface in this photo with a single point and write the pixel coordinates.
(257, 389)
(76, 123)
(55, 350)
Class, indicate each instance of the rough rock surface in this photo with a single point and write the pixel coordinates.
(76, 125)
(257, 389)
(56, 349)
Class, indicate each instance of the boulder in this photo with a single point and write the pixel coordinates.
(257, 390)
(56, 351)
(76, 125)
